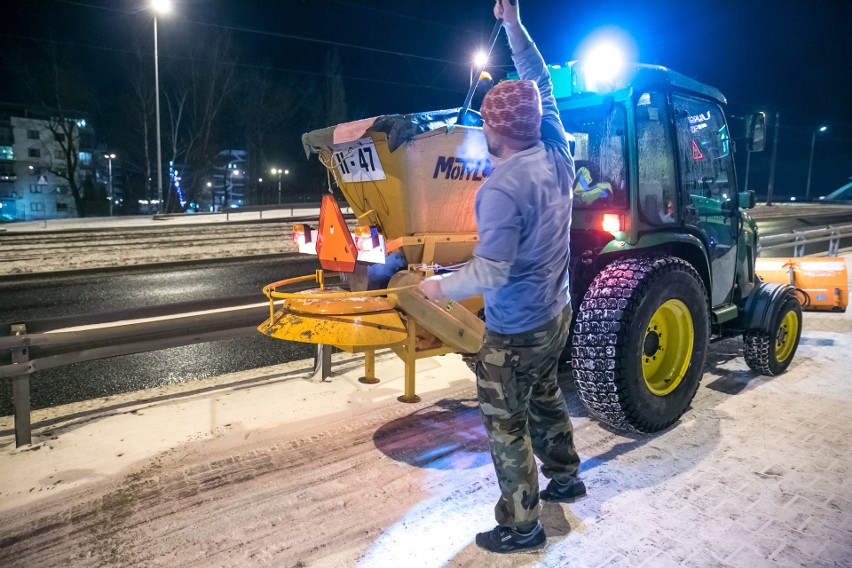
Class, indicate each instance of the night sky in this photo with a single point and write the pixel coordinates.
(397, 56)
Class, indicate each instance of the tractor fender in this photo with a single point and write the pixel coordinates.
(680, 244)
(763, 303)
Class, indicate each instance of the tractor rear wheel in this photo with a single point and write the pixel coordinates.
(771, 353)
(640, 342)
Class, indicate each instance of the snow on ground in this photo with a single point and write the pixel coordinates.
(79, 244)
(272, 468)
(88, 223)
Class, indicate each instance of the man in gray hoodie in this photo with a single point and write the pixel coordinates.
(520, 265)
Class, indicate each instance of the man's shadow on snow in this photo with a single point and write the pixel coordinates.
(449, 434)
(445, 435)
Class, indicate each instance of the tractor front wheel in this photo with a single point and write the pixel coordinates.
(640, 341)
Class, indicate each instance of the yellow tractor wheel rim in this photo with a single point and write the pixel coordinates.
(667, 347)
(785, 339)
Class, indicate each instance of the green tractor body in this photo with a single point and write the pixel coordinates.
(663, 251)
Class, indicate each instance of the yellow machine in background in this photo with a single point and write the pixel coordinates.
(821, 283)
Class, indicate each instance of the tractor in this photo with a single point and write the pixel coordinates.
(663, 250)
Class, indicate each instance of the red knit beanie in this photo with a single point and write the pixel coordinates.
(513, 109)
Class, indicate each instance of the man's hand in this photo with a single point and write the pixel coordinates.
(508, 11)
(431, 288)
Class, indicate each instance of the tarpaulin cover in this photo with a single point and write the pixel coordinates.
(399, 128)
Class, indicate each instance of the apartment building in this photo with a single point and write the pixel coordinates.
(32, 164)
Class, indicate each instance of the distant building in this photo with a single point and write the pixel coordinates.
(31, 157)
(227, 184)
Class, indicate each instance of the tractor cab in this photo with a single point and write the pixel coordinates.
(655, 170)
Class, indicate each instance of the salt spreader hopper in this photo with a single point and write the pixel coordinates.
(411, 181)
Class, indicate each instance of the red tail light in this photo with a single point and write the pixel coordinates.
(366, 238)
(611, 223)
(301, 234)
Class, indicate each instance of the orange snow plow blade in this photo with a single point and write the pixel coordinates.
(822, 284)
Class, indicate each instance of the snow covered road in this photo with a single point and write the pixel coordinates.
(270, 468)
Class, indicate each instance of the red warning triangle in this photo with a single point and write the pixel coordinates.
(335, 246)
(696, 153)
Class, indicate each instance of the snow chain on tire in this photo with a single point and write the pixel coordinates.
(607, 347)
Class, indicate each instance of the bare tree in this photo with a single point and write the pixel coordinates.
(267, 106)
(209, 81)
(59, 92)
(336, 109)
(175, 105)
(138, 141)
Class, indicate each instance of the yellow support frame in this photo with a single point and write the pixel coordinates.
(406, 350)
(429, 243)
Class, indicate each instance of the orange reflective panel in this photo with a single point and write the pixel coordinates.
(335, 246)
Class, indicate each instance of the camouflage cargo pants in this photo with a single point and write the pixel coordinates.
(525, 415)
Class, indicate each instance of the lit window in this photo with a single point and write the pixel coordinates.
(86, 157)
(7, 153)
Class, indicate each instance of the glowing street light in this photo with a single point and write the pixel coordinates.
(159, 7)
(279, 171)
(480, 60)
(811, 162)
(110, 158)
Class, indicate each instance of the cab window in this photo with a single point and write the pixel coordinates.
(599, 155)
(658, 201)
(704, 156)
(707, 175)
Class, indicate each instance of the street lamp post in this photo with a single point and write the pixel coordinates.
(160, 7)
(110, 158)
(811, 161)
(279, 171)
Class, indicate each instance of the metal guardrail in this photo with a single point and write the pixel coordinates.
(799, 239)
(58, 343)
(302, 208)
(46, 344)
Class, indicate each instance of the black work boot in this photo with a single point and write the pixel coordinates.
(504, 539)
(567, 492)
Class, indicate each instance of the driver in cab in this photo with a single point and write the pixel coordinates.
(589, 192)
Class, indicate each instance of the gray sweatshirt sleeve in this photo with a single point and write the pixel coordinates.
(477, 276)
(530, 65)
